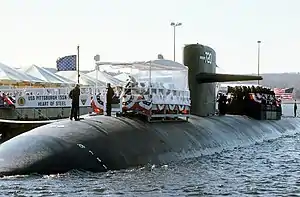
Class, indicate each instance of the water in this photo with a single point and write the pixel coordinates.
(270, 168)
(288, 110)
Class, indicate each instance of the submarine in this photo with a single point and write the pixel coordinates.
(103, 143)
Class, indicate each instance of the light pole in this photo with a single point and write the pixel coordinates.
(97, 59)
(174, 25)
(258, 58)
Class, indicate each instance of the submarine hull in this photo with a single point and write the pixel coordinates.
(102, 143)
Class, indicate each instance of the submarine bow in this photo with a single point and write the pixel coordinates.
(102, 143)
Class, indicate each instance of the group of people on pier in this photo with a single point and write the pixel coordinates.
(244, 100)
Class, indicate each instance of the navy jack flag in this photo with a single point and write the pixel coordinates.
(66, 63)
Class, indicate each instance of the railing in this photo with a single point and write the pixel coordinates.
(159, 95)
(47, 91)
(156, 98)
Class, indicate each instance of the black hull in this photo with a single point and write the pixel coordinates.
(103, 143)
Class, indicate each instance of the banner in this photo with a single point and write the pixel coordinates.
(50, 101)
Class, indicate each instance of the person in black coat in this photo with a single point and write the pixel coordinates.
(109, 95)
(74, 95)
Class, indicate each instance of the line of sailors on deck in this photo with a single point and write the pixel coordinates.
(237, 97)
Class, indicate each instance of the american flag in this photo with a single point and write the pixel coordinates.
(66, 63)
(284, 93)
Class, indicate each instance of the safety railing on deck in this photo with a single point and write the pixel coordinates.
(159, 95)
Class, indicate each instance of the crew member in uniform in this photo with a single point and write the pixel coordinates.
(222, 104)
(109, 96)
(295, 108)
(74, 95)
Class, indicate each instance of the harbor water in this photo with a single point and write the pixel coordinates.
(269, 168)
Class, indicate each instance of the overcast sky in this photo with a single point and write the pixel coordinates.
(38, 31)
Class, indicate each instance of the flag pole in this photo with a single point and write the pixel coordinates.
(78, 75)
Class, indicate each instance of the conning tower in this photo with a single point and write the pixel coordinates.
(201, 61)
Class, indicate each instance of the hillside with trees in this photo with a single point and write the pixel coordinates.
(281, 80)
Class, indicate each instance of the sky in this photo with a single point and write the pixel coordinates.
(39, 32)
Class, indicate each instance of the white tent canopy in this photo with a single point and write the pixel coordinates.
(159, 64)
(46, 75)
(52, 70)
(168, 64)
(172, 74)
(122, 77)
(84, 79)
(104, 77)
(13, 75)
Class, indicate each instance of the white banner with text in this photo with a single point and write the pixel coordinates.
(50, 101)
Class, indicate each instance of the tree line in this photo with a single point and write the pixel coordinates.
(280, 80)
